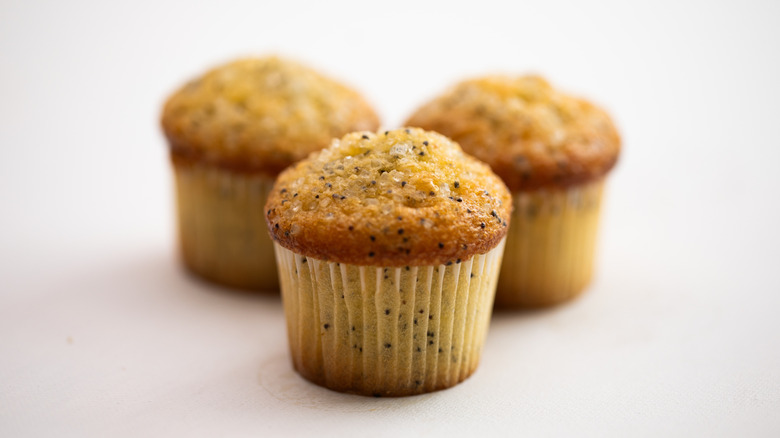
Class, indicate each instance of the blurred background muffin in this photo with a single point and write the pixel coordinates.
(553, 151)
(231, 131)
(389, 246)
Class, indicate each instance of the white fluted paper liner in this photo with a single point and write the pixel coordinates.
(221, 225)
(550, 246)
(387, 331)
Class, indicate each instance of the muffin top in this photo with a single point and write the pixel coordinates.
(530, 134)
(396, 198)
(261, 115)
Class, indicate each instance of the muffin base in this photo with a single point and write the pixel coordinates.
(550, 246)
(221, 224)
(387, 331)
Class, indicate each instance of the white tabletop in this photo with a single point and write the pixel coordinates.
(103, 334)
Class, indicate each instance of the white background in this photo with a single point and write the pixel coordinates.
(103, 334)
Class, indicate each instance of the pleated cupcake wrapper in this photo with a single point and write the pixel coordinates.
(222, 227)
(387, 331)
(550, 246)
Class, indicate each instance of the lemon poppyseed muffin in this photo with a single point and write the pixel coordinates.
(231, 131)
(388, 246)
(554, 151)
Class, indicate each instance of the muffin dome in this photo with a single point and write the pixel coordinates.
(393, 198)
(261, 115)
(530, 134)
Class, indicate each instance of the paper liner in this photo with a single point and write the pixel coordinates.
(387, 331)
(550, 246)
(222, 228)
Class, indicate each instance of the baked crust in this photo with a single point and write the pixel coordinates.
(531, 135)
(396, 198)
(261, 115)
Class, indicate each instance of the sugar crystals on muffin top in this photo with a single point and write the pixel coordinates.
(389, 198)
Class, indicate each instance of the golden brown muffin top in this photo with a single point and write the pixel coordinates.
(405, 197)
(530, 134)
(261, 115)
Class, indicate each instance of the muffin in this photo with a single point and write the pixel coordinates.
(389, 247)
(553, 151)
(230, 132)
